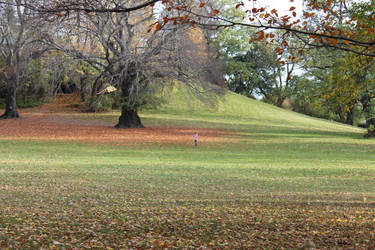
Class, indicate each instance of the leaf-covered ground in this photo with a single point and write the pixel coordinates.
(181, 224)
(247, 184)
(59, 127)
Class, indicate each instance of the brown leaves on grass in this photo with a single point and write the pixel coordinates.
(81, 209)
(48, 123)
(190, 224)
(56, 127)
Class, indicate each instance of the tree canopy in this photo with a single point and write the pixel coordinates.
(340, 24)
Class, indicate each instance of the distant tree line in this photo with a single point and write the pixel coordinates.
(317, 79)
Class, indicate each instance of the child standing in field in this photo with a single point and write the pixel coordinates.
(196, 139)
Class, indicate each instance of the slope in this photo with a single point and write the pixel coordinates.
(235, 112)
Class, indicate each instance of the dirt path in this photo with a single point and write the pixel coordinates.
(50, 122)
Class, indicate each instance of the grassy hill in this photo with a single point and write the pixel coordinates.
(233, 111)
(275, 179)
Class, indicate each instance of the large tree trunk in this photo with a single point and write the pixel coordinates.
(350, 117)
(341, 114)
(129, 119)
(365, 101)
(10, 102)
(280, 100)
(129, 116)
(83, 84)
(371, 128)
(370, 134)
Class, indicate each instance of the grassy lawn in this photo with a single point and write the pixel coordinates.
(289, 181)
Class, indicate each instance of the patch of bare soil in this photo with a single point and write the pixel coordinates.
(47, 123)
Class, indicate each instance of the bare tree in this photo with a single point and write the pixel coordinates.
(342, 24)
(114, 38)
(128, 54)
(89, 6)
(19, 32)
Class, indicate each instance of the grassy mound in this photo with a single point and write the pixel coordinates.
(233, 111)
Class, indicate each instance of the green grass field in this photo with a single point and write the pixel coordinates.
(287, 181)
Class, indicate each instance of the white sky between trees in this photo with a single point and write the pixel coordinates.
(282, 6)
